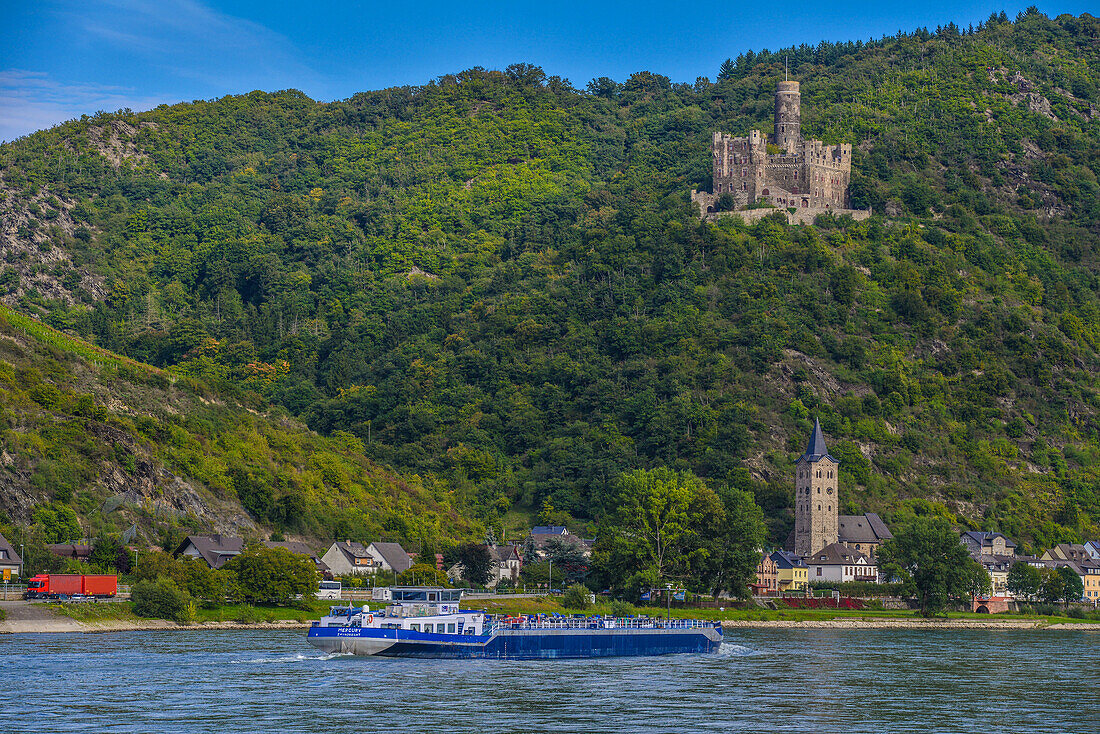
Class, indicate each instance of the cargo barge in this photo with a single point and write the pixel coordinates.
(424, 622)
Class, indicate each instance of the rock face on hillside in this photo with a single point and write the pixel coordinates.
(33, 235)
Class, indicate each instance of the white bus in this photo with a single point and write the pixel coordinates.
(329, 590)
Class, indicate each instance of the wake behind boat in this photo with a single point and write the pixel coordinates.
(427, 622)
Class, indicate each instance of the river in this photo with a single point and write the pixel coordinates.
(843, 681)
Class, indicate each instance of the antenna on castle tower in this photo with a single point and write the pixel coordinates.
(785, 78)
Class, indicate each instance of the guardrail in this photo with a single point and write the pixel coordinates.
(600, 623)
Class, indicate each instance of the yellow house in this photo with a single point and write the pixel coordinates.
(1077, 557)
(791, 571)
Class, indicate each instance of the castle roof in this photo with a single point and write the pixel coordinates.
(816, 449)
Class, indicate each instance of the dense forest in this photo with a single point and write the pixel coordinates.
(495, 283)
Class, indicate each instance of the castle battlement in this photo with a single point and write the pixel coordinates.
(806, 174)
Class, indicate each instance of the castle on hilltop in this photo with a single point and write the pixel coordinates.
(799, 173)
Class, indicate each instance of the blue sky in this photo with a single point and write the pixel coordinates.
(63, 58)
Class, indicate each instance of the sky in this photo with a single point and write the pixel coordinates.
(60, 59)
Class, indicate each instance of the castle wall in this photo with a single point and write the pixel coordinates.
(807, 175)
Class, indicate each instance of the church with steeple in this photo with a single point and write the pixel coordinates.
(817, 519)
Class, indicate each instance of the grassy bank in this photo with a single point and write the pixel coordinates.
(120, 611)
(242, 613)
(250, 614)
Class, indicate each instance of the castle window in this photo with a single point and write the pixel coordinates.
(819, 474)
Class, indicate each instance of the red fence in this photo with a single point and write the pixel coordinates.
(798, 602)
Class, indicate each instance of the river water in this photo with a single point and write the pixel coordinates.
(844, 681)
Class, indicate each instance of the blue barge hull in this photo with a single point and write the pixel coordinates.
(518, 644)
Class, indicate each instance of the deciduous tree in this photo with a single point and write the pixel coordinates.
(928, 552)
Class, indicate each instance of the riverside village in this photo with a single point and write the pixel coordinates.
(829, 561)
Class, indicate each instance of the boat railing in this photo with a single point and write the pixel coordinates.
(550, 623)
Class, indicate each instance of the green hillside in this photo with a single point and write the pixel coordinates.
(495, 281)
(122, 442)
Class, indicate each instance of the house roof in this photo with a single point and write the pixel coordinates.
(867, 528)
(70, 550)
(214, 549)
(1093, 547)
(985, 538)
(394, 555)
(294, 546)
(542, 539)
(836, 554)
(996, 562)
(787, 559)
(1072, 552)
(816, 449)
(504, 553)
(12, 556)
(549, 530)
(297, 546)
(352, 548)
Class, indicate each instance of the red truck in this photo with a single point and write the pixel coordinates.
(69, 585)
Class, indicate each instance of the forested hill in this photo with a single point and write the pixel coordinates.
(496, 281)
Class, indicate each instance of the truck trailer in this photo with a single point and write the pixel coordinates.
(68, 585)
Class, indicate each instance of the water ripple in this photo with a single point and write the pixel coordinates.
(842, 681)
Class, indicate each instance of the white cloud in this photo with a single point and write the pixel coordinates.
(162, 51)
(190, 40)
(31, 100)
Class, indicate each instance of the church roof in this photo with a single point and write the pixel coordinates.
(867, 528)
(816, 449)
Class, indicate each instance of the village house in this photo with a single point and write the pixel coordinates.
(767, 577)
(997, 567)
(76, 551)
(301, 549)
(507, 563)
(839, 563)
(791, 571)
(1078, 559)
(1092, 547)
(985, 543)
(353, 557)
(10, 562)
(996, 554)
(216, 550)
(543, 536)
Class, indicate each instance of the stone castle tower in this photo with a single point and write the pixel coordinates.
(788, 117)
(816, 511)
(802, 174)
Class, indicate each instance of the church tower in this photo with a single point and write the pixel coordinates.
(816, 508)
